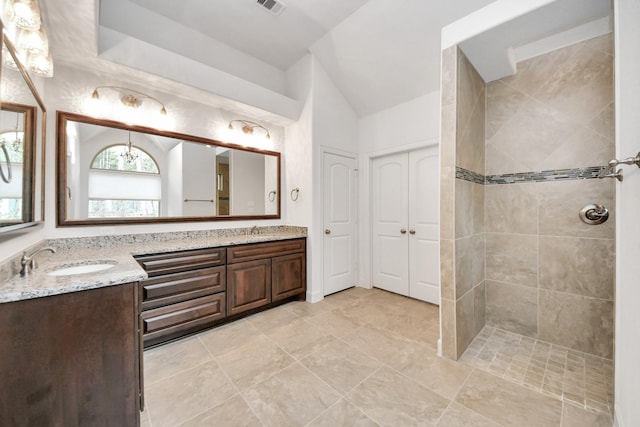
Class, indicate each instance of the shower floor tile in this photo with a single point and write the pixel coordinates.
(568, 375)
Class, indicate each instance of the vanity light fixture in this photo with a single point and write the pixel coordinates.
(24, 27)
(248, 127)
(129, 97)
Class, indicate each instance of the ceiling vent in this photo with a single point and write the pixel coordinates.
(273, 6)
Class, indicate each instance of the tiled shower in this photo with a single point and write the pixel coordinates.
(519, 160)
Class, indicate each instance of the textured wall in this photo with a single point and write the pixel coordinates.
(548, 275)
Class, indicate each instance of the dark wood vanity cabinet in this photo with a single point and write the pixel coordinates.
(71, 359)
(264, 273)
(185, 292)
(188, 291)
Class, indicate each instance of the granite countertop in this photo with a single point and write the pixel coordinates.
(125, 270)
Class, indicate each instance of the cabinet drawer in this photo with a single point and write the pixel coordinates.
(173, 288)
(168, 322)
(254, 251)
(175, 262)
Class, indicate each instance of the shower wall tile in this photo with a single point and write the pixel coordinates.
(465, 318)
(448, 323)
(512, 308)
(582, 85)
(470, 140)
(578, 266)
(478, 243)
(479, 308)
(499, 163)
(449, 75)
(447, 202)
(447, 262)
(532, 134)
(512, 258)
(448, 135)
(470, 86)
(465, 258)
(478, 197)
(464, 208)
(503, 102)
(604, 123)
(584, 147)
(581, 323)
(561, 201)
(533, 74)
(511, 208)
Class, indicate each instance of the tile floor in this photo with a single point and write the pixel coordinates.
(359, 358)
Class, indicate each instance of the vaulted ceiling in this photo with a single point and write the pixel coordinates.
(379, 53)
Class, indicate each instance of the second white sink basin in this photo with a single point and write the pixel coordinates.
(81, 269)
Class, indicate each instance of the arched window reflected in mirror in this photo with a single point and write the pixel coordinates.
(124, 182)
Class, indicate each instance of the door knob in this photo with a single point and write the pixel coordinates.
(412, 231)
(403, 231)
(327, 231)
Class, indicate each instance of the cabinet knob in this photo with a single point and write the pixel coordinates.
(403, 231)
(412, 231)
(327, 231)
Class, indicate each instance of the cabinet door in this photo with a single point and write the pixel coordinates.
(248, 285)
(288, 276)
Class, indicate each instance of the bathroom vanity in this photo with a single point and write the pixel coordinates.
(72, 345)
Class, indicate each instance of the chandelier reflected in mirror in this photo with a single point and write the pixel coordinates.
(129, 155)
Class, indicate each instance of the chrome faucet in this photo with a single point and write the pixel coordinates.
(29, 262)
(254, 230)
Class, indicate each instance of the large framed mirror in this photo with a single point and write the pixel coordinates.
(110, 172)
(22, 124)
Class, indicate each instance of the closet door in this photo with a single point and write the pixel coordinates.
(340, 226)
(424, 225)
(390, 261)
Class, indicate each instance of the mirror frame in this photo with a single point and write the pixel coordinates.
(31, 113)
(61, 174)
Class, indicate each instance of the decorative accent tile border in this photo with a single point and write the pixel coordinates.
(543, 176)
(467, 175)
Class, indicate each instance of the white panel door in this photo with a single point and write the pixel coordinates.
(340, 224)
(389, 222)
(627, 344)
(424, 225)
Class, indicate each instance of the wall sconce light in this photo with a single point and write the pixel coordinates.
(249, 126)
(129, 97)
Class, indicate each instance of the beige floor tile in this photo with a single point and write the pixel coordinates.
(292, 397)
(177, 398)
(144, 419)
(253, 362)
(336, 323)
(508, 403)
(233, 412)
(343, 413)
(378, 343)
(341, 366)
(169, 359)
(573, 416)
(300, 338)
(459, 416)
(443, 376)
(364, 311)
(345, 297)
(229, 337)
(308, 310)
(393, 400)
(275, 318)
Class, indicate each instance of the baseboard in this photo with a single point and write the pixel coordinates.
(617, 421)
(314, 296)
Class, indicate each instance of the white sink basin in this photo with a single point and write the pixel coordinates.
(80, 269)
